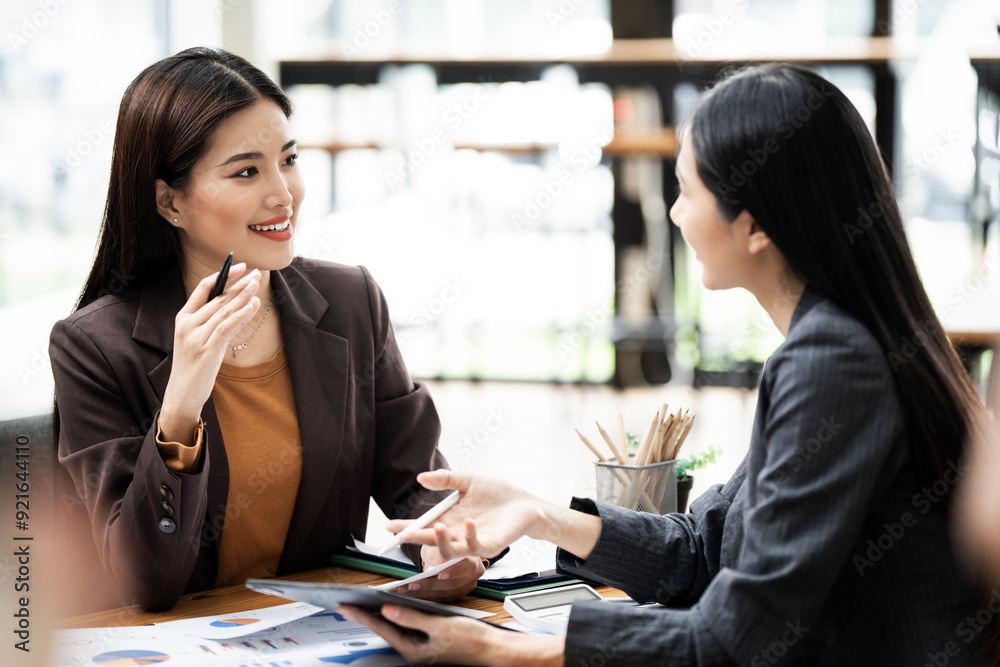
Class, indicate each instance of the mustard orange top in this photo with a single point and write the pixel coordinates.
(256, 410)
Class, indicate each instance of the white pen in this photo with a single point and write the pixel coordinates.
(425, 520)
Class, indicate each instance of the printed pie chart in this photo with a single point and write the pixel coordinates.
(233, 622)
(130, 658)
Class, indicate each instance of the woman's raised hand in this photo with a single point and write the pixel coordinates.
(202, 332)
(490, 515)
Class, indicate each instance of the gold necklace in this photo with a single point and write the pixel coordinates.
(247, 341)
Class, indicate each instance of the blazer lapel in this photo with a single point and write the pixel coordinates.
(319, 362)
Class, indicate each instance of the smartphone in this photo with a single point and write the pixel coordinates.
(220, 282)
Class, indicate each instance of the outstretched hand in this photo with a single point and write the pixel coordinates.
(490, 515)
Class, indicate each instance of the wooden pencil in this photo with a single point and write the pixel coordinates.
(654, 445)
(621, 432)
(611, 443)
(669, 431)
(681, 436)
(597, 453)
(647, 442)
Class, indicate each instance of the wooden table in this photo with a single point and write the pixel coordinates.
(231, 599)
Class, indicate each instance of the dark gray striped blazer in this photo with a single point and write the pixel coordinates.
(823, 549)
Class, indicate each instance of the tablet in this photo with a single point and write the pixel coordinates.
(331, 596)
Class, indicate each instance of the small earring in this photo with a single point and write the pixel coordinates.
(175, 219)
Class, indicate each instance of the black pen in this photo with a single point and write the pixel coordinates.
(220, 282)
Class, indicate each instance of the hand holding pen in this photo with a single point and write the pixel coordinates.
(222, 279)
(202, 330)
(426, 519)
(489, 515)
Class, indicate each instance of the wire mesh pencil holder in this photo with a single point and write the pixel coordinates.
(650, 488)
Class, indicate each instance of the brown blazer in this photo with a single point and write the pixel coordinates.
(367, 429)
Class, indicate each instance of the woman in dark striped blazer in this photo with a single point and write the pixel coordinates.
(831, 543)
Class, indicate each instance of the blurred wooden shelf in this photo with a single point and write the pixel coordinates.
(832, 50)
(662, 143)
(974, 339)
(661, 64)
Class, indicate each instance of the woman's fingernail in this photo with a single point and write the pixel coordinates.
(444, 575)
(390, 611)
(414, 587)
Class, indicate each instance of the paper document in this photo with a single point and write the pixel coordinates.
(319, 640)
(527, 556)
(433, 572)
(241, 623)
(393, 554)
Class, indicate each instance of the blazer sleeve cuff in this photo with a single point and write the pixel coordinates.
(177, 456)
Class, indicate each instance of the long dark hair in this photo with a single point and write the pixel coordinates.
(165, 122)
(799, 158)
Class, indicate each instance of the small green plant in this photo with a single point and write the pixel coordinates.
(695, 461)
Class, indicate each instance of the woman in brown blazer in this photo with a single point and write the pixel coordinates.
(214, 440)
